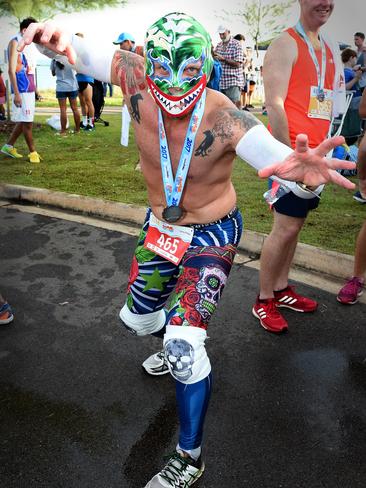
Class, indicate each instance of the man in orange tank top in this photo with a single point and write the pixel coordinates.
(298, 72)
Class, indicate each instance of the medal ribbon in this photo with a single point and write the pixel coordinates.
(173, 188)
(320, 72)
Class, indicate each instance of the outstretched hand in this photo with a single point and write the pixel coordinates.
(310, 166)
(50, 36)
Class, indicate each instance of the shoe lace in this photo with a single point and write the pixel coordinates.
(175, 470)
(271, 308)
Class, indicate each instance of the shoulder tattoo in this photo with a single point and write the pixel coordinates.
(129, 70)
(223, 129)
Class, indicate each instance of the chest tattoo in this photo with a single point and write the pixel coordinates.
(205, 147)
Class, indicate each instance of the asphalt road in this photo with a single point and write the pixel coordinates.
(77, 410)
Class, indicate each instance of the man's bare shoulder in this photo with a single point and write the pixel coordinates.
(224, 121)
(13, 44)
(283, 48)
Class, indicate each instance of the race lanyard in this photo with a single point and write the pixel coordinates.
(173, 188)
(320, 72)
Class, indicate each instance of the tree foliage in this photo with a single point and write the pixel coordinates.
(263, 19)
(46, 9)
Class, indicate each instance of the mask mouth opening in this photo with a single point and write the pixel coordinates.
(177, 105)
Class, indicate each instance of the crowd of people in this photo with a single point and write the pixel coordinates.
(193, 226)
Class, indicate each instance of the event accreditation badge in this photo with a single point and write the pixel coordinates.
(167, 240)
(320, 109)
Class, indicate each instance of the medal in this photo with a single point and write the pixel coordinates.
(173, 187)
(172, 214)
(320, 95)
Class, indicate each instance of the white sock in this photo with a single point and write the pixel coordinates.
(193, 453)
(85, 119)
(91, 121)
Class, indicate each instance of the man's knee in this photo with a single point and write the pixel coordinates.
(186, 354)
(286, 227)
(143, 324)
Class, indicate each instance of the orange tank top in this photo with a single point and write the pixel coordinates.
(297, 101)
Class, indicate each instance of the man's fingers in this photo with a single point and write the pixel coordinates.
(49, 31)
(327, 145)
(33, 31)
(334, 163)
(71, 54)
(340, 180)
(301, 144)
(268, 171)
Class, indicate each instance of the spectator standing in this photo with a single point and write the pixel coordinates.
(85, 87)
(66, 88)
(359, 39)
(230, 54)
(127, 42)
(302, 73)
(2, 97)
(23, 97)
(107, 87)
(352, 72)
(354, 287)
(244, 89)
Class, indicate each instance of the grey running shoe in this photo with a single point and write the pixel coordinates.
(180, 472)
(156, 364)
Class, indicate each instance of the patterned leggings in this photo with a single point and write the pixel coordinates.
(196, 284)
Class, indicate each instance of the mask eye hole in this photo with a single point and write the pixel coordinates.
(161, 71)
(192, 70)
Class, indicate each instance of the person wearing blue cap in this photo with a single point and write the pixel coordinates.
(127, 43)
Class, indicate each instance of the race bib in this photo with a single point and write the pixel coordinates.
(166, 240)
(320, 109)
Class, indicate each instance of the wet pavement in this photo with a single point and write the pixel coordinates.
(77, 410)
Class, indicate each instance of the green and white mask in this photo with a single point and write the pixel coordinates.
(178, 62)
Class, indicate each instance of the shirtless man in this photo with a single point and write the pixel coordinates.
(188, 241)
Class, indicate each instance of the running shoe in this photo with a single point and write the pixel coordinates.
(180, 471)
(359, 198)
(89, 128)
(34, 157)
(350, 292)
(270, 318)
(288, 298)
(10, 151)
(156, 364)
(6, 314)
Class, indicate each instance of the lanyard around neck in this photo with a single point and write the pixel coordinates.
(173, 188)
(320, 71)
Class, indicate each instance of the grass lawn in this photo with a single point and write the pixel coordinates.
(95, 164)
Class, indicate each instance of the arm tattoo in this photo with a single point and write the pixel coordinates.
(223, 129)
(128, 68)
(135, 111)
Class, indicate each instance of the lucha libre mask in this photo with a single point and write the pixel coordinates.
(178, 55)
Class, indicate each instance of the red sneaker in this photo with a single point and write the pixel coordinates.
(288, 298)
(268, 315)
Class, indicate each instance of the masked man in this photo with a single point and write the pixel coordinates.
(188, 138)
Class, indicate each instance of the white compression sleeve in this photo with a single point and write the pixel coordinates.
(92, 59)
(260, 149)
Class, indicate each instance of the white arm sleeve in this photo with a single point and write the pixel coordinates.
(92, 59)
(260, 149)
